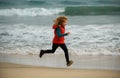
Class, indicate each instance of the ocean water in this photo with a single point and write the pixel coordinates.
(26, 26)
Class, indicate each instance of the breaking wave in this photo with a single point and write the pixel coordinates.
(30, 11)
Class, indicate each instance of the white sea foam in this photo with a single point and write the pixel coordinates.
(84, 40)
(30, 11)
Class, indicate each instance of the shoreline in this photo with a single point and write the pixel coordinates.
(58, 61)
(10, 70)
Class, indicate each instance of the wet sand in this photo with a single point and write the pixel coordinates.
(10, 70)
(58, 61)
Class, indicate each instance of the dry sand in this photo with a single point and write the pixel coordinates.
(9, 70)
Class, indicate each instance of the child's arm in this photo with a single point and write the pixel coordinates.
(59, 34)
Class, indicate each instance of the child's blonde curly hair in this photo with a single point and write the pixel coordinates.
(59, 20)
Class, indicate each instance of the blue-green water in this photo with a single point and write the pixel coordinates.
(25, 25)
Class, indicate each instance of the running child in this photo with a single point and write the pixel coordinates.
(59, 40)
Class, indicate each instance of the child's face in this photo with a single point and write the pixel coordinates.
(64, 23)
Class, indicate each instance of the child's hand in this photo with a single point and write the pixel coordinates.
(68, 33)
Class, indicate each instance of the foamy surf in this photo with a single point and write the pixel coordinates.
(30, 11)
(70, 11)
(84, 40)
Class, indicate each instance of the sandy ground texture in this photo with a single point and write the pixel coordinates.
(10, 70)
(58, 61)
